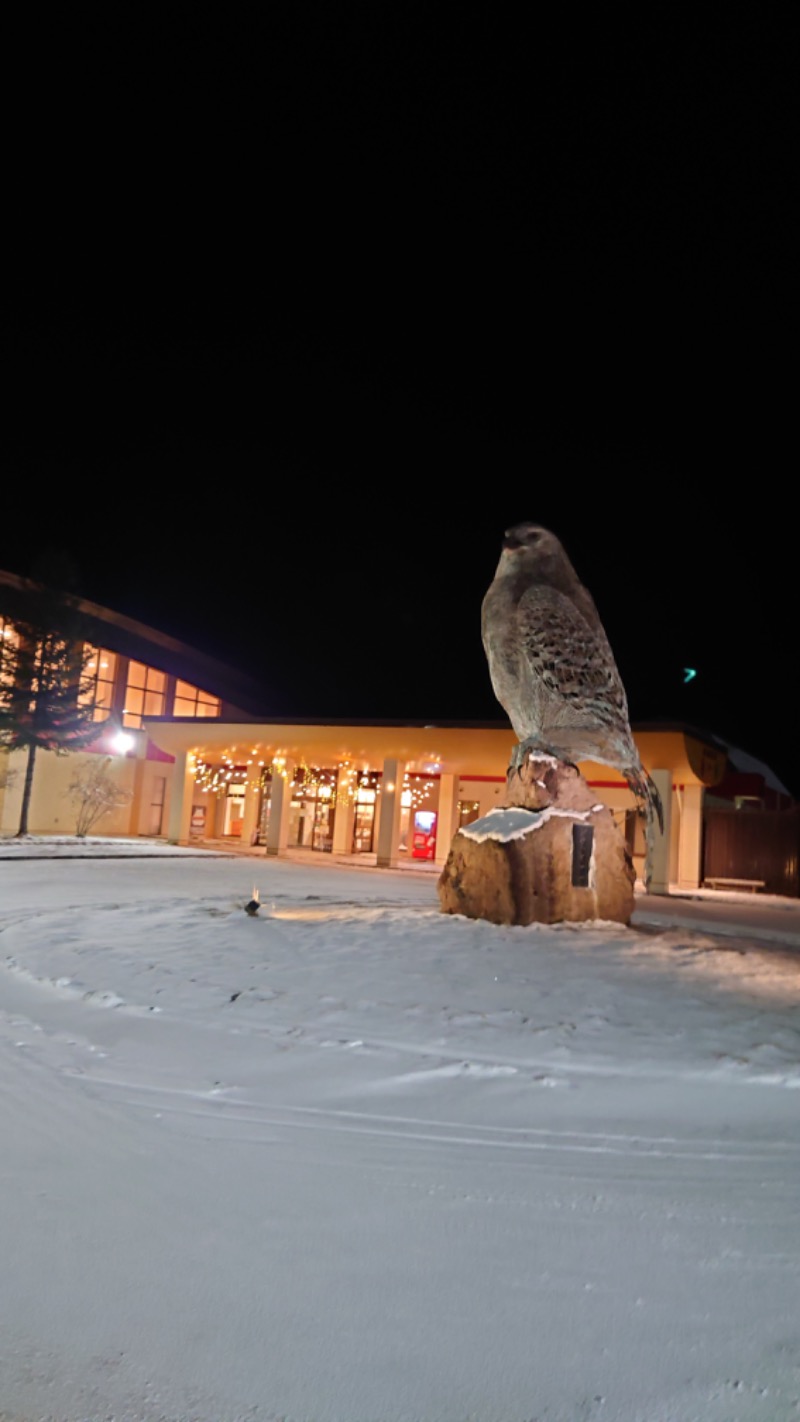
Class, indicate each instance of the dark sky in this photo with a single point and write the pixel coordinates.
(298, 322)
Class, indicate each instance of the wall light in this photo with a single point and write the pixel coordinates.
(121, 743)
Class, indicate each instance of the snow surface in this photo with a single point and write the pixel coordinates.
(353, 1160)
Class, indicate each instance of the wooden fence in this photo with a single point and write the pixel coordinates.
(754, 844)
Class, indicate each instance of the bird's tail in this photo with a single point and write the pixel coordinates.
(644, 789)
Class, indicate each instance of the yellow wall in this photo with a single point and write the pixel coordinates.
(51, 810)
(3, 780)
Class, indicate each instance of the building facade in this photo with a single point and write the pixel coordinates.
(195, 762)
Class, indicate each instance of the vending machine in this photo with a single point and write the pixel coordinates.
(423, 840)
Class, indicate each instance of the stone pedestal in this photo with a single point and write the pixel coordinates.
(551, 852)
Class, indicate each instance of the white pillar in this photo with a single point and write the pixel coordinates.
(690, 843)
(657, 868)
(344, 818)
(446, 816)
(280, 802)
(389, 800)
(181, 793)
(250, 813)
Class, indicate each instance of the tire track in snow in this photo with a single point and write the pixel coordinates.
(231, 1114)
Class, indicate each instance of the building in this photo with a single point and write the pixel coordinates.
(133, 672)
(199, 763)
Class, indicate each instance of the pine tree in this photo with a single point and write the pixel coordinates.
(42, 677)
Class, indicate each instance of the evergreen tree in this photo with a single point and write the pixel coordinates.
(42, 676)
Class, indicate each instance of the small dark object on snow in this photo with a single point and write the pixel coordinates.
(253, 906)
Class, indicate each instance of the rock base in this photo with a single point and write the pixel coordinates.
(550, 853)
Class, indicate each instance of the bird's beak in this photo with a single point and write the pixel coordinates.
(510, 540)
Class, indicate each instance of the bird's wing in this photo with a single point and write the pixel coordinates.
(572, 659)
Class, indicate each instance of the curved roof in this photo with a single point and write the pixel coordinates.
(694, 757)
(130, 638)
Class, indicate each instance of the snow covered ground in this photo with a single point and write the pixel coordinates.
(352, 1160)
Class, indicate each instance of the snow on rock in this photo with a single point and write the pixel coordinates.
(505, 824)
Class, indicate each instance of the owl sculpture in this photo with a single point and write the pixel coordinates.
(551, 665)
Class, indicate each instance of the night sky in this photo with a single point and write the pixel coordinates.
(298, 323)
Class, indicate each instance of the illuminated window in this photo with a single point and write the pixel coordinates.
(191, 701)
(98, 681)
(145, 694)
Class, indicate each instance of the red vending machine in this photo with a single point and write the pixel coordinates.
(423, 844)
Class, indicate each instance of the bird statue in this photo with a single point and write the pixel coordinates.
(551, 665)
(253, 906)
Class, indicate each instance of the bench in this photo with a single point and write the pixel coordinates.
(752, 884)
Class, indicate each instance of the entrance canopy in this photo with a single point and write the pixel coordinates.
(465, 750)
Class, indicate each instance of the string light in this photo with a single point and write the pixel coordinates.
(419, 792)
(343, 785)
(218, 778)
